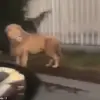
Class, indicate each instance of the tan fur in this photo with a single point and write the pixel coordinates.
(23, 43)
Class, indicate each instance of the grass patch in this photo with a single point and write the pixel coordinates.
(81, 60)
(73, 59)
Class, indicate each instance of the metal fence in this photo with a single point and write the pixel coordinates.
(71, 21)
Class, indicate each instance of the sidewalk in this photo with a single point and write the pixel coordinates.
(89, 49)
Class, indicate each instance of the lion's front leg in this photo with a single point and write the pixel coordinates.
(18, 60)
(24, 59)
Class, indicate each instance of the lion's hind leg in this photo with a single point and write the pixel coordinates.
(56, 59)
(52, 49)
(50, 63)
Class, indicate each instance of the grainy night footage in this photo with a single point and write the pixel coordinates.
(67, 67)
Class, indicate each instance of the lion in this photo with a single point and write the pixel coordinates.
(23, 43)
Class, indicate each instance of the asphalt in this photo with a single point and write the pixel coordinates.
(87, 91)
(60, 88)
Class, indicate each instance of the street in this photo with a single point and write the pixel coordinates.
(90, 90)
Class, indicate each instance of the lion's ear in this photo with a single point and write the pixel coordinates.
(6, 30)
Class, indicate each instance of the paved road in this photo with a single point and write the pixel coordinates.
(88, 91)
(59, 88)
(61, 95)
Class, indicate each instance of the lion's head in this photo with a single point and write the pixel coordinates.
(14, 32)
